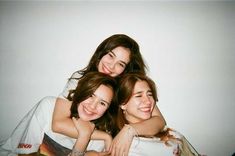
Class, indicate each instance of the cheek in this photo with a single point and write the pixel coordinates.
(79, 108)
(104, 59)
(152, 105)
(101, 111)
(120, 70)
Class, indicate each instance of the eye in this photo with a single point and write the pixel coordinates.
(122, 65)
(150, 94)
(138, 95)
(92, 95)
(103, 103)
(110, 55)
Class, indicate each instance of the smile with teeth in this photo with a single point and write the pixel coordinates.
(145, 109)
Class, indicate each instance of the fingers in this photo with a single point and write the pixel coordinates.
(118, 150)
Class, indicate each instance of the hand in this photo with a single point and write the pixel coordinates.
(94, 153)
(84, 128)
(108, 142)
(122, 142)
(101, 135)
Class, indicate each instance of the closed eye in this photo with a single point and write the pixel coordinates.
(123, 65)
(138, 95)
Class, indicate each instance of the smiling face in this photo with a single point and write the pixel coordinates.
(115, 61)
(95, 106)
(140, 105)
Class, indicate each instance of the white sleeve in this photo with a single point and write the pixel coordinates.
(71, 85)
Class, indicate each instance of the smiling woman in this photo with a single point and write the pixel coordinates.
(89, 105)
(137, 97)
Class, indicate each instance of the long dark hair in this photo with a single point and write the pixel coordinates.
(86, 86)
(136, 63)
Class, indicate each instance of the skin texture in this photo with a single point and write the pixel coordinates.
(95, 106)
(114, 62)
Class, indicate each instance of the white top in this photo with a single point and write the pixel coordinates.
(70, 85)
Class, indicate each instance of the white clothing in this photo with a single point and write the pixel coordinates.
(70, 85)
(28, 135)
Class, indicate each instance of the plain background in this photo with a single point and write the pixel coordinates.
(189, 47)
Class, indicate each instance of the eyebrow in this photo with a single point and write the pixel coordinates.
(102, 100)
(139, 92)
(116, 56)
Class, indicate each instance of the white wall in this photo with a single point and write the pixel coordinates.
(188, 46)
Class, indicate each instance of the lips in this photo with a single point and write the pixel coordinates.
(106, 70)
(87, 111)
(145, 109)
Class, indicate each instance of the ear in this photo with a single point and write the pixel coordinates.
(123, 106)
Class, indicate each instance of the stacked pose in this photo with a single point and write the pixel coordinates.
(136, 96)
(115, 56)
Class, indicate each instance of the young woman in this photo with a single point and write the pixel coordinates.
(89, 109)
(137, 97)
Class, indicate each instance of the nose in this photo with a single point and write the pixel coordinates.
(112, 65)
(94, 103)
(146, 100)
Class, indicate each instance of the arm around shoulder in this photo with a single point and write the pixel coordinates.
(61, 121)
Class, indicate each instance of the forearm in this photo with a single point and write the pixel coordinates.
(149, 127)
(65, 127)
(61, 121)
(81, 143)
(99, 135)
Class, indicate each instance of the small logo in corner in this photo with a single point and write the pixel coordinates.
(22, 145)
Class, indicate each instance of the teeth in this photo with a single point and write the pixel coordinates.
(145, 109)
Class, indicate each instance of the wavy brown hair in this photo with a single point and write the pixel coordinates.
(86, 86)
(124, 92)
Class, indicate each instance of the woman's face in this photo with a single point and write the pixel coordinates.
(115, 61)
(141, 103)
(96, 105)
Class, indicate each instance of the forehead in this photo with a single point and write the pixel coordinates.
(141, 85)
(122, 53)
(104, 92)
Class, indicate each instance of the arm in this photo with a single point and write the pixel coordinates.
(85, 129)
(151, 126)
(101, 135)
(122, 142)
(63, 124)
(61, 121)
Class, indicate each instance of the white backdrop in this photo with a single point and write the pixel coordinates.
(188, 46)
